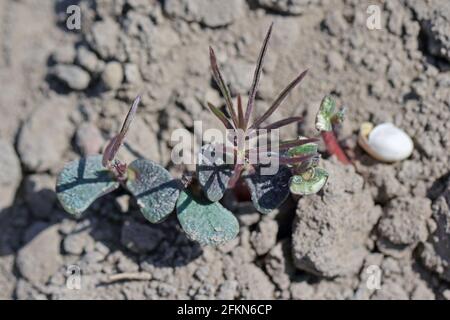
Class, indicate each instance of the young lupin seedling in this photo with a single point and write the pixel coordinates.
(200, 214)
(83, 181)
(298, 158)
(328, 116)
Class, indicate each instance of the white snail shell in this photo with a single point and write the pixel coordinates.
(385, 142)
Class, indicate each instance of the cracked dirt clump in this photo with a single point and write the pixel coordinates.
(331, 230)
(10, 174)
(404, 224)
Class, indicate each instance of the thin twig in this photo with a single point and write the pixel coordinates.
(129, 276)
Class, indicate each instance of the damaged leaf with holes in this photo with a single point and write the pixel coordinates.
(309, 182)
(328, 115)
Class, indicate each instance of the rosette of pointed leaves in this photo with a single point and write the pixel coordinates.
(267, 191)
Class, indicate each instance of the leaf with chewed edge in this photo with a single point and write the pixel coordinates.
(302, 185)
(208, 223)
(154, 188)
(81, 182)
(328, 115)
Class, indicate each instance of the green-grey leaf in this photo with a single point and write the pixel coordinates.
(339, 116)
(268, 192)
(309, 148)
(206, 222)
(213, 174)
(328, 115)
(154, 188)
(306, 149)
(81, 182)
(305, 186)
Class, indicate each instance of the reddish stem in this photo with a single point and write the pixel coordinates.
(333, 146)
(241, 191)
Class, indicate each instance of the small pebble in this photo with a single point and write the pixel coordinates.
(112, 76)
(73, 76)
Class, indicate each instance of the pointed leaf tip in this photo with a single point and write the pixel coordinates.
(256, 76)
(218, 78)
(283, 123)
(279, 100)
(220, 115)
(116, 142)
